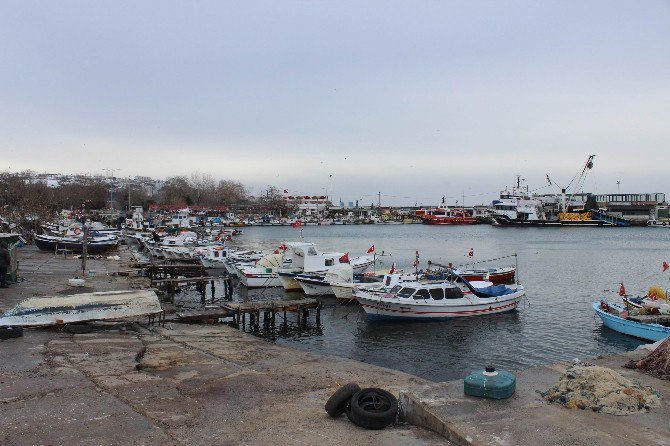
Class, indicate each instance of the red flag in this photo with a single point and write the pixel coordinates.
(229, 237)
(665, 266)
(622, 290)
(296, 224)
(371, 249)
(276, 251)
(471, 253)
(283, 247)
(392, 270)
(344, 258)
(416, 263)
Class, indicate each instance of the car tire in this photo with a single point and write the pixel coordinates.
(336, 404)
(373, 408)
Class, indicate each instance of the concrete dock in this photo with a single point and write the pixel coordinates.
(138, 384)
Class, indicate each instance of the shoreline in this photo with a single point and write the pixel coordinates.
(215, 384)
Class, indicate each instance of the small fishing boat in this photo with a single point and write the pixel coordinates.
(94, 245)
(504, 275)
(435, 300)
(618, 318)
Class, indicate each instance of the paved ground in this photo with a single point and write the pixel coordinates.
(527, 419)
(182, 384)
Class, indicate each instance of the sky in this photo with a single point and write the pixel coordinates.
(414, 99)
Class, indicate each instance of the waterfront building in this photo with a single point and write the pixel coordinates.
(634, 207)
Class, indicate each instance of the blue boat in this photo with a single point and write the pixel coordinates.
(650, 332)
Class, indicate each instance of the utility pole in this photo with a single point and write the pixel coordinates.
(379, 200)
(128, 194)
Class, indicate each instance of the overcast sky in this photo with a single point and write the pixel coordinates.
(413, 99)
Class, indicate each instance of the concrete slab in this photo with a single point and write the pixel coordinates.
(527, 418)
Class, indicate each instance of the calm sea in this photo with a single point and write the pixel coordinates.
(562, 269)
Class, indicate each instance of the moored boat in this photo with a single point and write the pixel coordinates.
(437, 300)
(94, 245)
(618, 318)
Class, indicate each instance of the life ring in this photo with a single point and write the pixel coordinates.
(77, 231)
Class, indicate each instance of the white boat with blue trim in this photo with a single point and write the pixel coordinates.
(437, 300)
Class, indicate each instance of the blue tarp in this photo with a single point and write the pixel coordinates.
(495, 290)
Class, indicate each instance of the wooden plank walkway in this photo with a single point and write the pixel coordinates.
(269, 310)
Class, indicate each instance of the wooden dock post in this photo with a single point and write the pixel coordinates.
(318, 314)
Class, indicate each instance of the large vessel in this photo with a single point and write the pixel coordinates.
(443, 215)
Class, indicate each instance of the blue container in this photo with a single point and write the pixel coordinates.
(490, 383)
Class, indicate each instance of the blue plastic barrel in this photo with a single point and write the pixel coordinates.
(490, 383)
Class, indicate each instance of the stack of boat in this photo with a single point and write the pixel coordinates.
(99, 238)
(296, 259)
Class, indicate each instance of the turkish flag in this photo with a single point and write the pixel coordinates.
(665, 266)
(471, 253)
(392, 270)
(622, 290)
(344, 258)
(283, 247)
(371, 249)
(276, 251)
(296, 224)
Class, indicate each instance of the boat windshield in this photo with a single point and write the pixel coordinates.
(453, 293)
(422, 294)
(395, 289)
(437, 293)
(406, 292)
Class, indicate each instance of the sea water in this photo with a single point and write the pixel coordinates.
(562, 269)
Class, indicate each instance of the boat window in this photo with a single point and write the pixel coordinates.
(406, 292)
(216, 253)
(329, 262)
(437, 293)
(422, 294)
(453, 293)
(388, 281)
(395, 289)
(311, 251)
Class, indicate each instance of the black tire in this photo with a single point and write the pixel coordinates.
(373, 408)
(11, 332)
(336, 404)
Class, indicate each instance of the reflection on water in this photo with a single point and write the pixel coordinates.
(563, 270)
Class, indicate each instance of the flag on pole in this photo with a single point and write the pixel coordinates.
(392, 270)
(283, 247)
(296, 224)
(345, 258)
(276, 251)
(622, 290)
(416, 263)
(665, 266)
(471, 253)
(371, 249)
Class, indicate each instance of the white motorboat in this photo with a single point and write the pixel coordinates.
(438, 300)
(306, 259)
(263, 274)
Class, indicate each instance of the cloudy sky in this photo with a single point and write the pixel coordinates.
(412, 99)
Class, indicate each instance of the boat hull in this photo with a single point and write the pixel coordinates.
(649, 332)
(289, 282)
(92, 247)
(380, 308)
(315, 287)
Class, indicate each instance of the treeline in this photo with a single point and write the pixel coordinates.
(23, 196)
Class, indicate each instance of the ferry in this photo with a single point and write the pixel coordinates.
(443, 215)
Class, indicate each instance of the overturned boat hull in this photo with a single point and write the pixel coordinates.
(108, 305)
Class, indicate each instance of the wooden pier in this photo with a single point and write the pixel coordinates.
(269, 310)
(201, 283)
(164, 271)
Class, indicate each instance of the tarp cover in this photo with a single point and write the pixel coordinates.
(340, 273)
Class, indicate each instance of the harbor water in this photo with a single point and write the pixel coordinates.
(562, 269)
